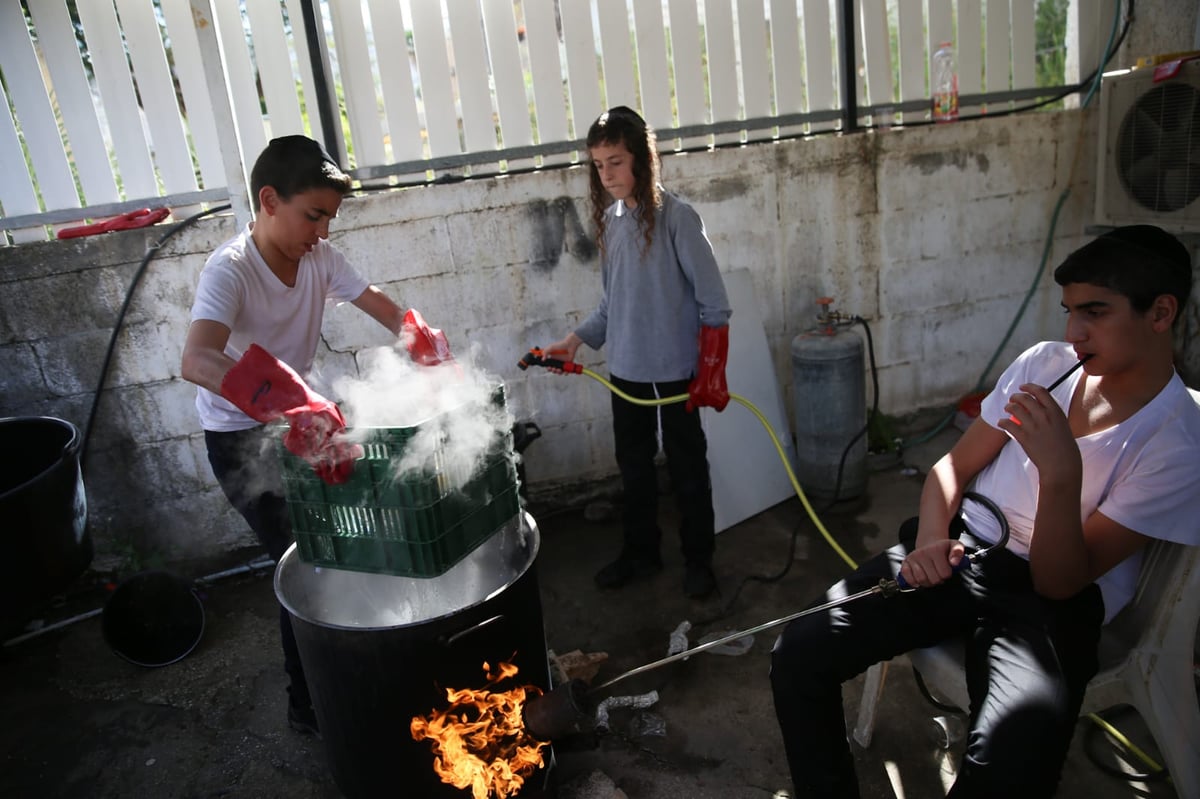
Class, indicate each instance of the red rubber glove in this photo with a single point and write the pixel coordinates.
(266, 389)
(426, 346)
(708, 386)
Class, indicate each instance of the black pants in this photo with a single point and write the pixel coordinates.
(245, 465)
(1029, 660)
(635, 430)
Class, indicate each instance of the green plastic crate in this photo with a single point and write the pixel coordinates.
(414, 525)
(398, 556)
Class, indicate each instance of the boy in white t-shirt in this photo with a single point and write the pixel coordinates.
(256, 323)
(1085, 476)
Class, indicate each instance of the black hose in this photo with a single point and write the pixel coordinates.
(151, 251)
(929, 697)
(837, 485)
(756, 578)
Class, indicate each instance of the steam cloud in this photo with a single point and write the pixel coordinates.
(452, 405)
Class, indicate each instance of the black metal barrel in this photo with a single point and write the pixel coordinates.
(379, 650)
(43, 514)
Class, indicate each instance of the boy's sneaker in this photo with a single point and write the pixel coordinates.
(626, 568)
(699, 580)
(303, 720)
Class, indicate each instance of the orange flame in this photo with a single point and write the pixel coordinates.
(479, 741)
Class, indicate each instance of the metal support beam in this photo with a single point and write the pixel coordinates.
(318, 59)
(848, 74)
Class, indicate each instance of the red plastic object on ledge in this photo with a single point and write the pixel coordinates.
(142, 217)
(1170, 69)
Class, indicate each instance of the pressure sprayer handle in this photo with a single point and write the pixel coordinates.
(955, 569)
(971, 557)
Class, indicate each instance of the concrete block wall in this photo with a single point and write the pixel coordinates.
(933, 234)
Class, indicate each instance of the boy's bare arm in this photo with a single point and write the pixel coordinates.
(1066, 553)
(381, 308)
(935, 554)
(204, 360)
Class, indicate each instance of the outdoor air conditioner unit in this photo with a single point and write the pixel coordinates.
(1149, 153)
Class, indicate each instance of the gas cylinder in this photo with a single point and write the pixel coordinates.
(829, 386)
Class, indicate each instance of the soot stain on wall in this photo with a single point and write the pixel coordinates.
(555, 228)
(721, 189)
(928, 163)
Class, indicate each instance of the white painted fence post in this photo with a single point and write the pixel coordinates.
(222, 109)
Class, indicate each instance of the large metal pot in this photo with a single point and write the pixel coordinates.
(379, 650)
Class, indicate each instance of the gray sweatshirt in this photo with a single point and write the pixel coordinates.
(655, 303)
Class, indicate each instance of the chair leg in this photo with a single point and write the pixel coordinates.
(1164, 694)
(868, 707)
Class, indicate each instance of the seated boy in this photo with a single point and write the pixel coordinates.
(1085, 476)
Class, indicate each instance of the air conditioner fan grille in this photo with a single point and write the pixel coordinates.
(1158, 148)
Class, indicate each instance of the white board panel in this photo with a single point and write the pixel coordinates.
(1024, 43)
(275, 68)
(619, 87)
(756, 82)
(157, 92)
(998, 58)
(358, 81)
(689, 74)
(818, 60)
(860, 65)
(198, 112)
(437, 94)
(512, 103)
(968, 51)
(583, 74)
(1088, 27)
(652, 63)
(691, 101)
(244, 93)
(541, 34)
(877, 51)
(722, 66)
(16, 190)
(913, 57)
(787, 71)
(121, 110)
(52, 173)
(471, 77)
(747, 473)
(57, 38)
(941, 24)
(232, 142)
(396, 79)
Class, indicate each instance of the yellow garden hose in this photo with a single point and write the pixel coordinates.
(812, 514)
(1129, 745)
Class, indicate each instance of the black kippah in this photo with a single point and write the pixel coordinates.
(297, 145)
(1154, 241)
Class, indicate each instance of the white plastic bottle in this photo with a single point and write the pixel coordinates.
(944, 83)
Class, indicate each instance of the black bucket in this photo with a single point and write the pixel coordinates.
(43, 514)
(380, 650)
(153, 619)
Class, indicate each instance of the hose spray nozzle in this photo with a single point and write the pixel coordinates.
(537, 357)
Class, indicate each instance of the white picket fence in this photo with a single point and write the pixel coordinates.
(166, 102)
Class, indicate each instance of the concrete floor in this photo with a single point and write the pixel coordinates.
(81, 722)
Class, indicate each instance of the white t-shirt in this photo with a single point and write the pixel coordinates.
(1140, 473)
(239, 290)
